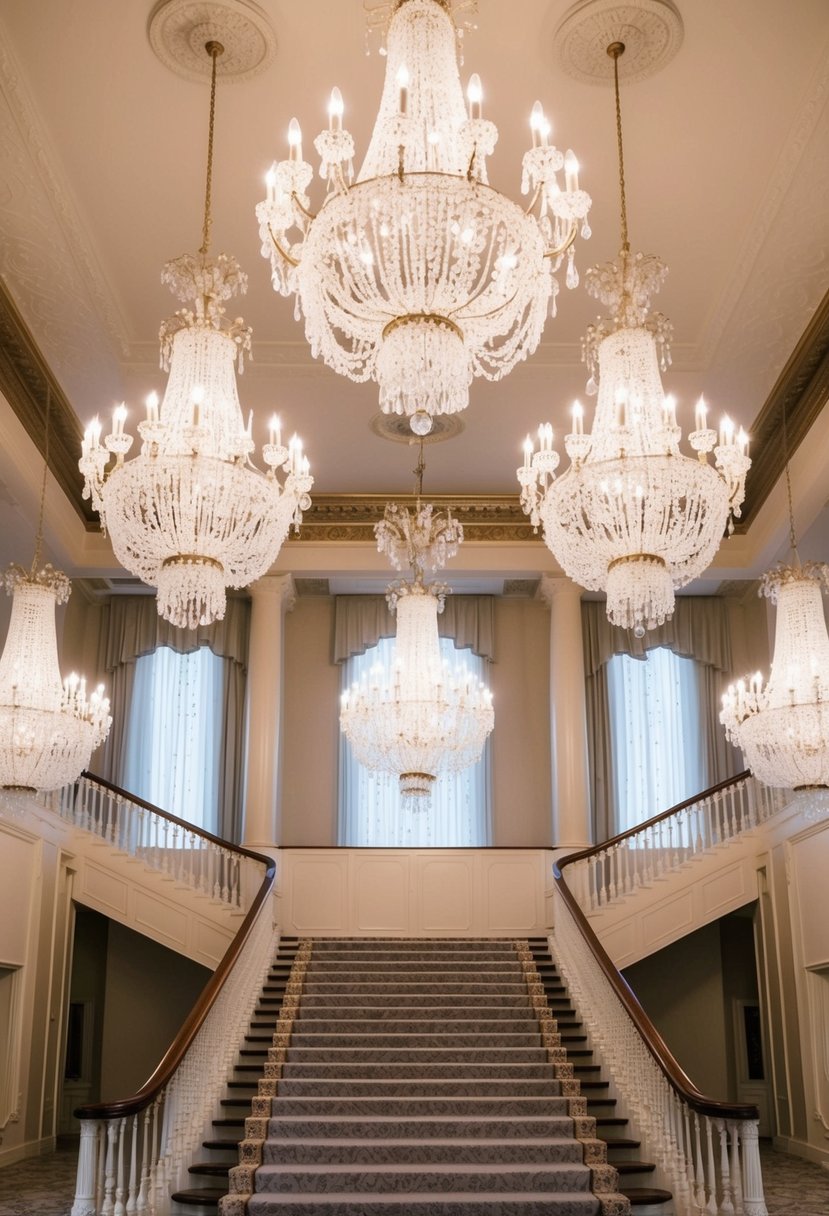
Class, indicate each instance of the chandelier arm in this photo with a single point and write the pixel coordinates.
(557, 250)
(297, 201)
(535, 197)
(281, 250)
(214, 50)
(481, 316)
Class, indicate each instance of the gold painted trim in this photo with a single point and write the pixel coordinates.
(432, 318)
(195, 559)
(351, 517)
(636, 557)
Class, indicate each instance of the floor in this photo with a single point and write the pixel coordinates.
(44, 1186)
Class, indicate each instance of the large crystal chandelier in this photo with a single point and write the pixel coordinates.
(633, 516)
(418, 274)
(428, 717)
(782, 729)
(48, 729)
(190, 514)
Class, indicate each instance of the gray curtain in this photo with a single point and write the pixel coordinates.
(360, 621)
(697, 630)
(130, 628)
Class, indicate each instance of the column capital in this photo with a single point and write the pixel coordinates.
(551, 587)
(275, 586)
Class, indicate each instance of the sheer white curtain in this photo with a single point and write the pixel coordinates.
(657, 737)
(371, 814)
(174, 736)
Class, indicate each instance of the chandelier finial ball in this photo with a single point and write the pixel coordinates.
(421, 423)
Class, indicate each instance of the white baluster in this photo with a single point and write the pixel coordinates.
(734, 1165)
(727, 1200)
(710, 1169)
(132, 1187)
(108, 1206)
(754, 1203)
(84, 1204)
(120, 1206)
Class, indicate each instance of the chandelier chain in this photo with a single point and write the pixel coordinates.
(419, 470)
(214, 50)
(792, 533)
(41, 512)
(615, 50)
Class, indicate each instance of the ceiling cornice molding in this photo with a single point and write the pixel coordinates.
(351, 517)
(24, 377)
(801, 392)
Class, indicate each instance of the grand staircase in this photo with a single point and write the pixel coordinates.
(449, 1078)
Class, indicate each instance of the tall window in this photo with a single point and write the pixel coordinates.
(657, 734)
(174, 737)
(371, 814)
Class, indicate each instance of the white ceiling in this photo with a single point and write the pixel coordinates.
(101, 181)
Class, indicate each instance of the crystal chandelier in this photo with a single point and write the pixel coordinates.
(48, 729)
(190, 514)
(428, 717)
(632, 516)
(418, 274)
(782, 729)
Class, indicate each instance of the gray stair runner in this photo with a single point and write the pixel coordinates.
(415, 1079)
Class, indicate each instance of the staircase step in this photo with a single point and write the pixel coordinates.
(207, 1197)
(494, 1088)
(428, 1177)
(342, 1150)
(395, 1070)
(644, 1196)
(634, 1167)
(401, 1106)
(370, 1054)
(374, 1129)
(449, 1204)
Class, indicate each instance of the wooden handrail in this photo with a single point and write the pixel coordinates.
(674, 1074)
(177, 1050)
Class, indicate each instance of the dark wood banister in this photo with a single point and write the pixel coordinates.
(676, 1077)
(175, 1053)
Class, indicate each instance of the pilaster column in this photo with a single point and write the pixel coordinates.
(568, 717)
(271, 598)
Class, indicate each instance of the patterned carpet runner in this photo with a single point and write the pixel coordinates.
(412, 1076)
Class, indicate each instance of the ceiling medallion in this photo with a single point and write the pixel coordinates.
(651, 30)
(396, 428)
(180, 29)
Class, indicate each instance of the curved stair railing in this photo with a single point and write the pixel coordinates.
(706, 1150)
(135, 1151)
(638, 857)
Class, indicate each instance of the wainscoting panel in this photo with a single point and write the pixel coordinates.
(413, 892)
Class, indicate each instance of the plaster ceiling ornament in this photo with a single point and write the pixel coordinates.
(190, 514)
(633, 516)
(428, 718)
(179, 30)
(782, 729)
(418, 274)
(651, 30)
(48, 729)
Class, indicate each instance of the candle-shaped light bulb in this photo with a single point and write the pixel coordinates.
(94, 433)
(537, 123)
(571, 170)
(119, 417)
(270, 183)
(669, 409)
(701, 414)
(578, 418)
(275, 430)
(403, 87)
(250, 424)
(726, 430)
(335, 110)
(294, 140)
(742, 440)
(528, 451)
(474, 95)
(151, 403)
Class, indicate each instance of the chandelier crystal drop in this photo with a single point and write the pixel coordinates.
(633, 516)
(429, 717)
(190, 514)
(418, 274)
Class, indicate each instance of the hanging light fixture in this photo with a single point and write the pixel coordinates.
(48, 729)
(418, 274)
(190, 514)
(427, 718)
(632, 516)
(782, 729)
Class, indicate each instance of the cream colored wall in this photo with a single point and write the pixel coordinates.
(519, 679)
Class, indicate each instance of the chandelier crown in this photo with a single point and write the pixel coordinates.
(632, 516)
(417, 274)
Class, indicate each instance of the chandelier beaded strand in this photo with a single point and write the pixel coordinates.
(190, 514)
(632, 516)
(48, 728)
(418, 274)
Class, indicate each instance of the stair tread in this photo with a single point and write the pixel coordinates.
(645, 1194)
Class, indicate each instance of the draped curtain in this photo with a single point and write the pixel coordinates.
(371, 813)
(131, 628)
(697, 630)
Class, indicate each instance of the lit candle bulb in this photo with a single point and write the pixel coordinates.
(528, 451)
(94, 433)
(726, 430)
(668, 409)
(119, 417)
(571, 170)
(152, 407)
(474, 95)
(274, 430)
(294, 140)
(250, 424)
(701, 414)
(742, 440)
(403, 86)
(545, 437)
(578, 418)
(270, 182)
(537, 123)
(335, 110)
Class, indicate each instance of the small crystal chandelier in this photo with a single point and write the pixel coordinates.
(418, 274)
(782, 729)
(190, 514)
(428, 718)
(633, 516)
(48, 729)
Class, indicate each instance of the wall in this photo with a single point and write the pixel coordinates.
(519, 679)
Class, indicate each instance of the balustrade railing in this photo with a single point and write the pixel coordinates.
(136, 1151)
(644, 854)
(178, 850)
